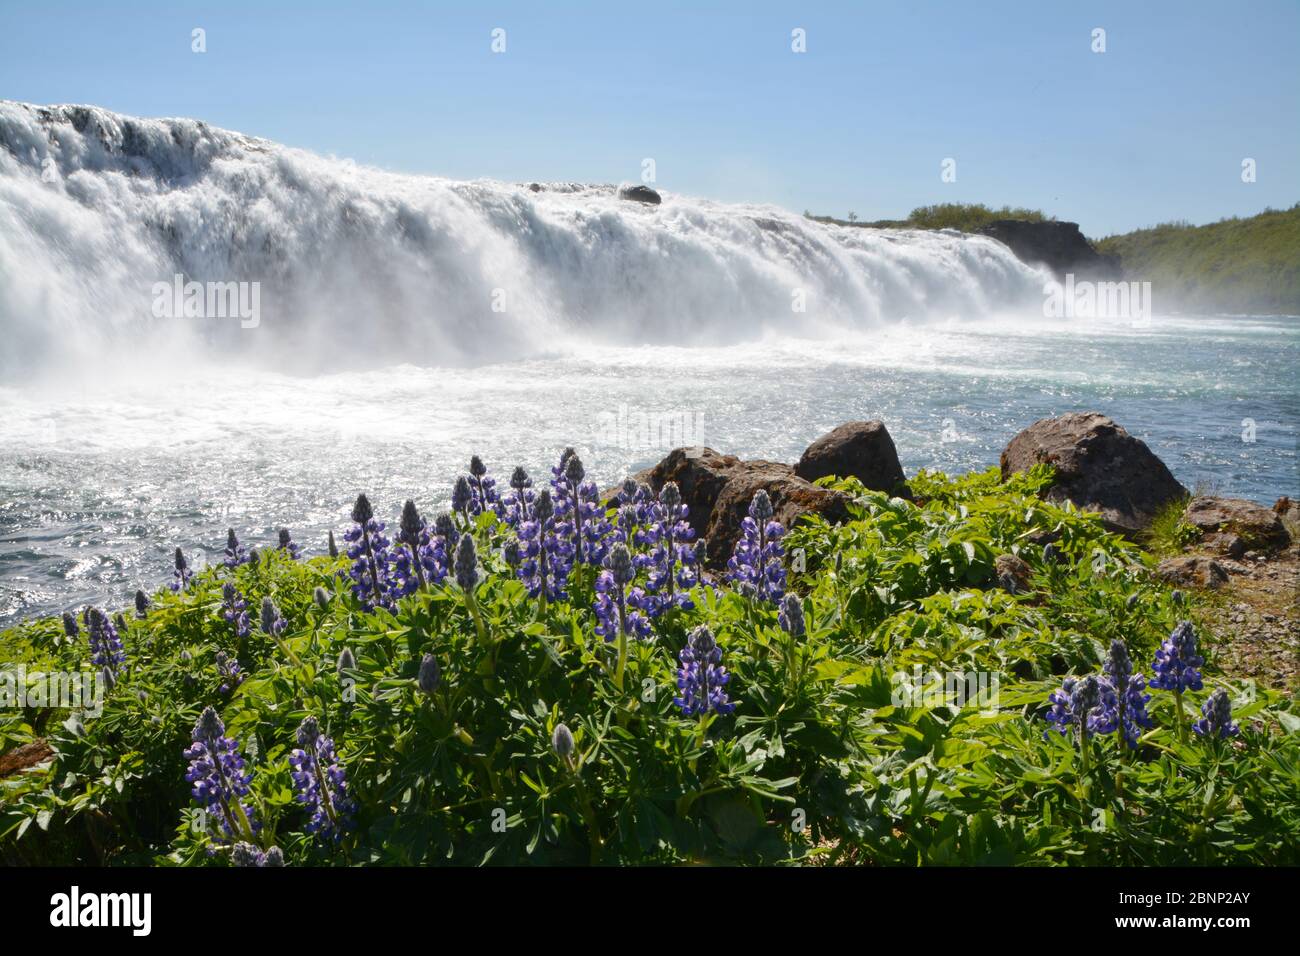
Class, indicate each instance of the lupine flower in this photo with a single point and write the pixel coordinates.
(670, 563)
(320, 782)
(235, 555)
(421, 560)
(105, 645)
(70, 627)
(467, 575)
(1123, 698)
(618, 610)
(483, 493)
(141, 604)
(701, 678)
(1176, 665)
(755, 566)
(254, 555)
(511, 554)
(791, 617)
(216, 772)
(562, 741)
(234, 610)
(578, 510)
(546, 553)
(516, 505)
(640, 497)
(245, 854)
(321, 597)
(444, 526)
(1176, 597)
(347, 661)
(1216, 717)
(182, 575)
(120, 622)
(273, 622)
(229, 671)
(288, 546)
(333, 546)
(430, 675)
(461, 495)
(369, 554)
(1078, 704)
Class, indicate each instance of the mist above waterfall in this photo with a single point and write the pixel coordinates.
(358, 267)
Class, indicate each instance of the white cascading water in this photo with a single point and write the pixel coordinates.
(359, 267)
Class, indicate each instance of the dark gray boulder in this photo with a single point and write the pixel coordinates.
(640, 194)
(862, 450)
(1099, 466)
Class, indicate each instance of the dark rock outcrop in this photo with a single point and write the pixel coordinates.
(718, 488)
(1058, 245)
(862, 450)
(1256, 526)
(1192, 571)
(1012, 573)
(1099, 466)
(640, 194)
(24, 756)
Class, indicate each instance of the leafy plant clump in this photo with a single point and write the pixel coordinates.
(541, 676)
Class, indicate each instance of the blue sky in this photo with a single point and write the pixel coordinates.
(1153, 129)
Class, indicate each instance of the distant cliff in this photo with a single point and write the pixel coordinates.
(1235, 265)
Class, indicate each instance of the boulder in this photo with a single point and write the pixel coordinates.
(718, 488)
(24, 756)
(1012, 573)
(640, 194)
(1284, 506)
(1192, 571)
(862, 450)
(1225, 543)
(1099, 466)
(1257, 527)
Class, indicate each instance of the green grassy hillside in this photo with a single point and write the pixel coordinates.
(1234, 265)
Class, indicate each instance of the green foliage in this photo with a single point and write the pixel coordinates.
(1168, 533)
(966, 217)
(827, 758)
(1234, 265)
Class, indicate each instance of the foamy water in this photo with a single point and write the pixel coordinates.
(379, 365)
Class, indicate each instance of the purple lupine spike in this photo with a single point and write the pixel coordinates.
(755, 567)
(106, 650)
(272, 621)
(546, 552)
(216, 773)
(620, 610)
(287, 545)
(1216, 717)
(368, 552)
(234, 610)
(229, 671)
(1177, 664)
(670, 563)
(234, 554)
(320, 782)
(701, 678)
(483, 493)
(182, 575)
